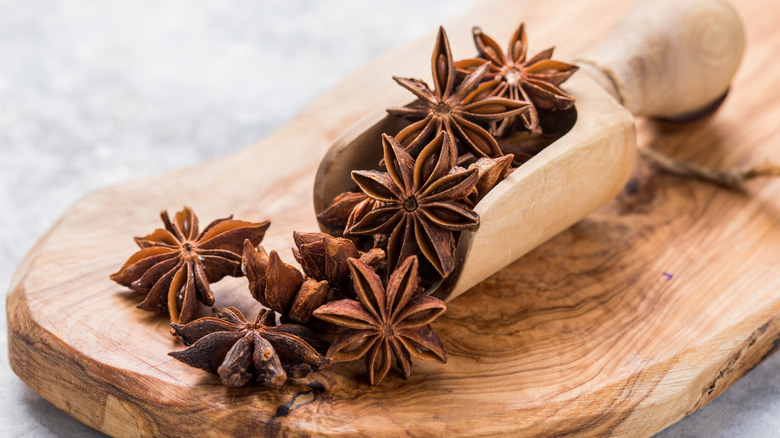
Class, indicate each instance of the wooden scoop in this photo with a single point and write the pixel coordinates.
(667, 59)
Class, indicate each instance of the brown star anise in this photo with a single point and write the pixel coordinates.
(335, 218)
(385, 322)
(176, 265)
(228, 345)
(511, 76)
(422, 202)
(283, 288)
(456, 110)
(279, 286)
(324, 257)
(349, 208)
(491, 171)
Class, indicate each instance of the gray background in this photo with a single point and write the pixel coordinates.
(94, 93)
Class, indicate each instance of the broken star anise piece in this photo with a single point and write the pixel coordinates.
(175, 265)
(335, 217)
(491, 171)
(279, 286)
(324, 257)
(457, 110)
(284, 289)
(422, 202)
(228, 345)
(536, 80)
(385, 321)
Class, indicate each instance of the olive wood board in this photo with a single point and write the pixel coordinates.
(623, 324)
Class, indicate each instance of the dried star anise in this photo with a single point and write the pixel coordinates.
(422, 202)
(279, 286)
(385, 321)
(335, 218)
(491, 171)
(348, 208)
(511, 76)
(228, 345)
(283, 288)
(176, 265)
(324, 257)
(457, 110)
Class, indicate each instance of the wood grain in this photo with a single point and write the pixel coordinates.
(623, 324)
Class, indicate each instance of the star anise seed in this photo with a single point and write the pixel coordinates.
(456, 110)
(422, 202)
(238, 351)
(175, 265)
(385, 321)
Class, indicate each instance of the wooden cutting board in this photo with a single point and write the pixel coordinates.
(633, 318)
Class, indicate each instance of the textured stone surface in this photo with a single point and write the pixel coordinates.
(94, 93)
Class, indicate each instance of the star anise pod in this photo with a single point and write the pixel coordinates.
(422, 202)
(358, 213)
(346, 210)
(228, 345)
(385, 321)
(491, 171)
(335, 217)
(535, 80)
(349, 208)
(457, 110)
(283, 288)
(175, 265)
(324, 257)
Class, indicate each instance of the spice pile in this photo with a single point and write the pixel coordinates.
(362, 282)
(481, 119)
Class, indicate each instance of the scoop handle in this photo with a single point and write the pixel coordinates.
(669, 58)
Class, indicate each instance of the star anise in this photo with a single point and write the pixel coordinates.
(335, 218)
(491, 171)
(283, 288)
(346, 210)
(176, 265)
(385, 321)
(422, 202)
(228, 345)
(511, 76)
(457, 110)
(324, 257)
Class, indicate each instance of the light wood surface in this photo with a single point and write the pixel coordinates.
(670, 58)
(623, 324)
